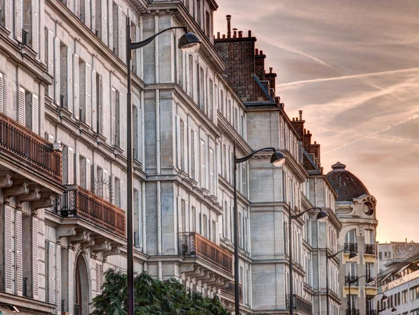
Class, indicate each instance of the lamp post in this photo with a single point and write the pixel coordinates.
(369, 281)
(351, 256)
(384, 299)
(189, 42)
(277, 159)
(321, 217)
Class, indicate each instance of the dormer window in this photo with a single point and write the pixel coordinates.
(368, 208)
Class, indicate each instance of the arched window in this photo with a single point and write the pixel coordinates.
(81, 306)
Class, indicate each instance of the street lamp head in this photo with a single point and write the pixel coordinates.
(322, 216)
(353, 255)
(394, 310)
(370, 281)
(278, 159)
(384, 298)
(189, 43)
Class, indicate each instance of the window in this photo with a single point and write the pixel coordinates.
(182, 161)
(82, 89)
(211, 172)
(193, 214)
(414, 293)
(183, 216)
(203, 163)
(369, 237)
(28, 110)
(191, 85)
(3, 12)
(198, 3)
(28, 22)
(213, 231)
(205, 226)
(98, 20)
(353, 301)
(117, 192)
(211, 100)
(222, 102)
(370, 270)
(1, 93)
(404, 297)
(137, 219)
(115, 29)
(136, 130)
(84, 172)
(351, 271)
(193, 153)
(207, 24)
(115, 118)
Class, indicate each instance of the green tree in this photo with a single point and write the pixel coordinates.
(152, 297)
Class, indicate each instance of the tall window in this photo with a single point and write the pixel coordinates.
(369, 237)
(98, 20)
(117, 192)
(207, 24)
(211, 162)
(203, 163)
(137, 219)
(190, 75)
(192, 160)
(3, 12)
(370, 270)
(211, 100)
(115, 29)
(182, 145)
(198, 3)
(193, 219)
(205, 226)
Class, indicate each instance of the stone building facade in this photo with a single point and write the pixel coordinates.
(393, 253)
(356, 209)
(63, 161)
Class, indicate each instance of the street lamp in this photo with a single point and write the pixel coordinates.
(277, 160)
(383, 299)
(369, 281)
(352, 255)
(190, 43)
(321, 217)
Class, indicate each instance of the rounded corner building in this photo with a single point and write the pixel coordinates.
(356, 210)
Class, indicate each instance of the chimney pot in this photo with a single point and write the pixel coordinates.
(301, 114)
(250, 33)
(218, 34)
(315, 142)
(224, 35)
(228, 26)
(240, 34)
(257, 51)
(270, 69)
(261, 52)
(235, 32)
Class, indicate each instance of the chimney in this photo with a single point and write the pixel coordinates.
(250, 33)
(218, 35)
(301, 114)
(228, 26)
(240, 34)
(271, 77)
(260, 65)
(298, 125)
(234, 32)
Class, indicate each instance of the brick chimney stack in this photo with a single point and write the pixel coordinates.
(260, 65)
(271, 77)
(298, 124)
(228, 26)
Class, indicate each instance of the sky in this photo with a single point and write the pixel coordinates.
(353, 68)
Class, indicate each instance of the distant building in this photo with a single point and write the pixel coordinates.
(394, 253)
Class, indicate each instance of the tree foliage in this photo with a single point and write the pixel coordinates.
(152, 297)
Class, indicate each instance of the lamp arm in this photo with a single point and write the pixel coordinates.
(244, 159)
(335, 254)
(302, 213)
(150, 39)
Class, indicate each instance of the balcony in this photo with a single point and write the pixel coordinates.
(300, 304)
(352, 279)
(228, 291)
(354, 311)
(370, 249)
(351, 247)
(27, 152)
(76, 202)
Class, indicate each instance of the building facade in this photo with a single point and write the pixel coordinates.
(356, 209)
(393, 253)
(63, 161)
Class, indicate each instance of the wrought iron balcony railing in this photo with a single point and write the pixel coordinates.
(354, 281)
(372, 312)
(192, 244)
(300, 304)
(79, 202)
(370, 249)
(29, 149)
(354, 311)
(351, 247)
(229, 290)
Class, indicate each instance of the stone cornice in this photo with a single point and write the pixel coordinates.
(233, 135)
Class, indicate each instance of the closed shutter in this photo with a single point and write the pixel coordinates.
(122, 122)
(113, 105)
(111, 21)
(51, 272)
(178, 146)
(70, 101)
(185, 147)
(76, 88)
(122, 195)
(70, 281)
(35, 25)
(88, 171)
(57, 62)
(94, 179)
(35, 114)
(21, 110)
(50, 60)
(18, 252)
(70, 5)
(87, 18)
(88, 89)
(93, 16)
(112, 189)
(122, 33)
(35, 257)
(58, 277)
(1, 93)
(104, 25)
(8, 15)
(70, 166)
(8, 268)
(94, 102)
(51, 138)
(77, 167)
(137, 52)
(18, 19)
(105, 187)
(99, 277)
(196, 150)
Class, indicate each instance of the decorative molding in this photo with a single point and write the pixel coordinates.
(64, 231)
(46, 201)
(33, 195)
(6, 181)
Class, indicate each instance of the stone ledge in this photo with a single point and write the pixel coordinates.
(26, 304)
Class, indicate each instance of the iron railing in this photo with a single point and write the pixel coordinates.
(79, 202)
(229, 290)
(192, 244)
(354, 311)
(354, 280)
(351, 247)
(300, 304)
(77, 309)
(372, 312)
(370, 249)
(29, 149)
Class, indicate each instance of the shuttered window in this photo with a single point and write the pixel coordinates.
(114, 28)
(27, 25)
(1, 93)
(97, 18)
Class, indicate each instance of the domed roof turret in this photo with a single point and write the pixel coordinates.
(346, 184)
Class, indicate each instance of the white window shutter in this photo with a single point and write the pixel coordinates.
(35, 25)
(111, 21)
(35, 257)
(122, 109)
(35, 114)
(8, 249)
(104, 17)
(113, 106)
(76, 88)
(70, 102)
(70, 159)
(71, 258)
(123, 198)
(93, 181)
(18, 252)
(93, 16)
(8, 15)
(99, 277)
(77, 167)
(105, 185)
(88, 90)
(185, 148)
(1, 93)
(50, 60)
(51, 273)
(57, 64)
(18, 19)
(138, 52)
(21, 110)
(122, 33)
(112, 185)
(94, 102)
(88, 171)
(58, 277)
(87, 15)
(196, 151)
(178, 146)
